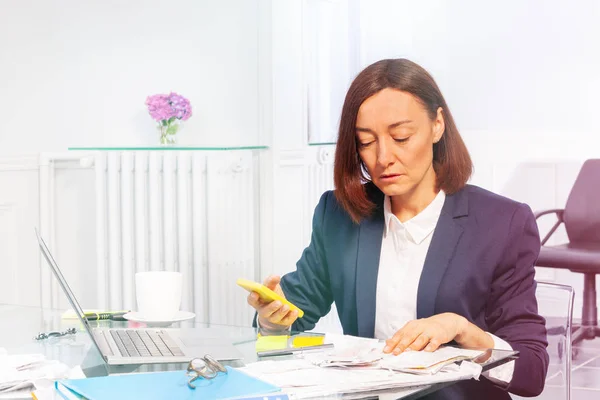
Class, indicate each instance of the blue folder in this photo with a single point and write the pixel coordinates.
(167, 385)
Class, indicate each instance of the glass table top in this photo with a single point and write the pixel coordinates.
(19, 325)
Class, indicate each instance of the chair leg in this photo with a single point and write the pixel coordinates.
(589, 315)
(556, 330)
(579, 335)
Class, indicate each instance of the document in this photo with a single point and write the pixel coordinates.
(350, 351)
(21, 373)
(359, 365)
(303, 379)
(422, 362)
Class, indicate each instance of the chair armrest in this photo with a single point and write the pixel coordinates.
(558, 211)
(559, 215)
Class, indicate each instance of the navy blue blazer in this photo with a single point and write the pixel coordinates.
(479, 265)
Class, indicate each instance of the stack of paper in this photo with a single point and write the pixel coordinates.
(351, 351)
(359, 365)
(21, 373)
(428, 363)
(304, 379)
(348, 351)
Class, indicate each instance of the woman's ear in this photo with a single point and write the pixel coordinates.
(439, 126)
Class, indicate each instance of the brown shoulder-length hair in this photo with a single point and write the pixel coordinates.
(451, 160)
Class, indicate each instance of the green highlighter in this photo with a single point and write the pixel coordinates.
(103, 315)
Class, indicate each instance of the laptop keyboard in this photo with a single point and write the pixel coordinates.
(144, 343)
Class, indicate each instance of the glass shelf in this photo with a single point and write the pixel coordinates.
(323, 144)
(168, 148)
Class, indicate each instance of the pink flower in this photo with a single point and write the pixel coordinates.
(181, 106)
(164, 107)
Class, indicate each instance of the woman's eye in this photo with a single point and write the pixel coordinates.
(363, 145)
(401, 140)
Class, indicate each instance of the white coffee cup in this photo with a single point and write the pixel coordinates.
(158, 294)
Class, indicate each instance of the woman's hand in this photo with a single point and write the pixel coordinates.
(272, 315)
(428, 333)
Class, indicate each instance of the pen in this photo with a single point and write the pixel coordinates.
(292, 350)
(111, 315)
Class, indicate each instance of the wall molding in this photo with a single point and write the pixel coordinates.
(19, 163)
(326, 155)
(292, 158)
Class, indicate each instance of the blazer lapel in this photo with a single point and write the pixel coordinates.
(443, 243)
(367, 268)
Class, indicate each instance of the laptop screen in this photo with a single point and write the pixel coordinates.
(63, 283)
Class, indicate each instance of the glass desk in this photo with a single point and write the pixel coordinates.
(20, 324)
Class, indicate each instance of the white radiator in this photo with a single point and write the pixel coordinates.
(318, 178)
(192, 212)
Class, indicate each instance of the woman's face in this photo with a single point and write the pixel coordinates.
(395, 138)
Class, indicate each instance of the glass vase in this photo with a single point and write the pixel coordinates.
(168, 132)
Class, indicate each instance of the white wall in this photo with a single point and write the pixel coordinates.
(77, 73)
(521, 78)
(534, 62)
(19, 213)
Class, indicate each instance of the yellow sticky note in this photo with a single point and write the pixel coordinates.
(303, 341)
(264, 343)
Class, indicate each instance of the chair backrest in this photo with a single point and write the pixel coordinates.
(582, 211)
(555, 303)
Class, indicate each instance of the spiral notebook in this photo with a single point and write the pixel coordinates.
(164, 385)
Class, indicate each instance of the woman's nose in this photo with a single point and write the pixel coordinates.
(384, 154)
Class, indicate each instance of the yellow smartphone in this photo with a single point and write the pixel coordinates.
(267, 294)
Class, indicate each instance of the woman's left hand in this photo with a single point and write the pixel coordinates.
(427, 333)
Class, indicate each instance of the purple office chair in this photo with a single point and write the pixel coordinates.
(581, 217)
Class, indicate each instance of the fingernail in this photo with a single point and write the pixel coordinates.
(386, 349)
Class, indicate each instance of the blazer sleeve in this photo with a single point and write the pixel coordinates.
(512, 312)
(309, 287)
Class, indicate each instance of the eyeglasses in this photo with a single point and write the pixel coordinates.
(43, 335)
(203, 367)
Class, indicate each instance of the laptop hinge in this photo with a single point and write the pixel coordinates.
(103, 344)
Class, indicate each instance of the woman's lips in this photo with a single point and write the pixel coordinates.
(389, 177)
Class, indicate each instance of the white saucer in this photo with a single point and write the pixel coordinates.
(139, 317)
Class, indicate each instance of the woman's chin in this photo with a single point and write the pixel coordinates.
(394, 188)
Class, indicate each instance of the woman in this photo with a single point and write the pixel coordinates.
(407, 250)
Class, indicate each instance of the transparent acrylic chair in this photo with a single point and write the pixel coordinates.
(555, 303)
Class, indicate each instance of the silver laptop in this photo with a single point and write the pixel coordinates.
(146, 345)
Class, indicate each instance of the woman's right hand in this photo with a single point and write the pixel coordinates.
(272, 315)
